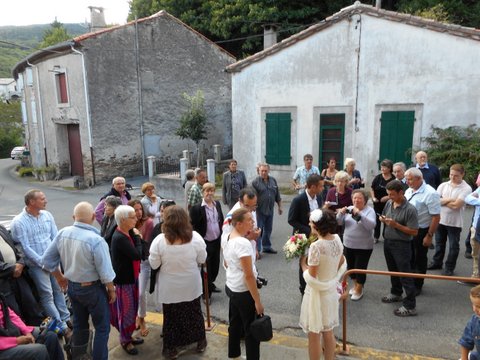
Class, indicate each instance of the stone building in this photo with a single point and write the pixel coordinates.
(364, 83)
(98, 105)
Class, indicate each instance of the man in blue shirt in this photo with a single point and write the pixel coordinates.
(88, 268)
(34, 228)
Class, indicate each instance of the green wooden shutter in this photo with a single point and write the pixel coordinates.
(396, 136)
(278, 138)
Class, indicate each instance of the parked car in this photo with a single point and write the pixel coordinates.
(17, 152)
(6, 220)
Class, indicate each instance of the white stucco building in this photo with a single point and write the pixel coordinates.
(364, 83)
(8, 88)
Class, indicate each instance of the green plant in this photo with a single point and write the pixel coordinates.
(455, 145)
(25, 171)
(193, 123)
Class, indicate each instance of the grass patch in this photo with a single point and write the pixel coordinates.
(25, 171)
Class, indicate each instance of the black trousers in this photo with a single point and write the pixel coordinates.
(357, 259)
(213, 263)
(419, 256)
(241, 313)
(398, 255)
(378, 207)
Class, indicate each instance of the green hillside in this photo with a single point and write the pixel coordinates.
(28, 38)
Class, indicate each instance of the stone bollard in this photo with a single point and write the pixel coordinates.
(217, 153)
(186, 155)
(211, 171)
(151, 166)
(183, 168)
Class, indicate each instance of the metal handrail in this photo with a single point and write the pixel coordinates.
(391, 273)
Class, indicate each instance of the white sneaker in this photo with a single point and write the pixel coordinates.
(356, 297)
(351, 291)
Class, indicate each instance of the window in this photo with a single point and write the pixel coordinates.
(33, 107)
(29, 76)
(61, 82)
(332, 128)
(278, 137)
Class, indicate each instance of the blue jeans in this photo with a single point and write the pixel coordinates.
(453, 235)
(398, 255)
(90, 301)
(51, 297)
(265, 223)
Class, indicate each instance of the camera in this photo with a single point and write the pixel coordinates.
(261, 282)
(357, 217)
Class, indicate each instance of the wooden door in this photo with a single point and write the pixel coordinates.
(75, 149)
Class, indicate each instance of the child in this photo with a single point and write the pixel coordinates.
(471, 335)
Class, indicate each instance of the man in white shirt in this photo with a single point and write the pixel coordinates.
(452, 199)
(247, 200)
(427, 202)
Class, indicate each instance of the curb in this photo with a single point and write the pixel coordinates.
(302, 343)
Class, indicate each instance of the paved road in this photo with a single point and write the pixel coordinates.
(443, 308)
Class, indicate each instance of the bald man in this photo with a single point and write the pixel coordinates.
(88, 275)
(430, 172)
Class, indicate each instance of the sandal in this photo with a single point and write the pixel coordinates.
(201, 345)
(172, 353)
(137, 341)
(130, 349)
(390, 298)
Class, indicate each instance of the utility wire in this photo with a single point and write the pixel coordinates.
(297, 27)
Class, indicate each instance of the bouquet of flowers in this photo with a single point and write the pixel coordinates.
(296, 246)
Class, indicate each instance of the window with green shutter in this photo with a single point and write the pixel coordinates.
(396, 136)
(278, 137)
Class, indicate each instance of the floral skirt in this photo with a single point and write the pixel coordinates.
(183, 324)
(123, 311)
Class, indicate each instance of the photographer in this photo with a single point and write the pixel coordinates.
(359, 221)
(241, 286)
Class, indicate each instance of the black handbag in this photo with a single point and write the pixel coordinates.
(261, 328)
(9, 329)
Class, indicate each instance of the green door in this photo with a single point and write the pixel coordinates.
(332, 132)
(396, 136)
(278, 136)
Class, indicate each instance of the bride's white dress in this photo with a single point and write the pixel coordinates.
(319, 311)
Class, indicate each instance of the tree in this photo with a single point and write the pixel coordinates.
(193, 123)
(241, 20)
(455, 145)
(56, 34)
(11, 128)
(238, 24)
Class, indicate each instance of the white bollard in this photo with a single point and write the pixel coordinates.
(211, 171)
(151, 166)
(183, 168)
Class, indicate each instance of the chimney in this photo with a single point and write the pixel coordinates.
(269, 36)
(97, 18)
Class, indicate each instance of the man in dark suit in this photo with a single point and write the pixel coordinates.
(299, 213)
(207, 220)
(233, 181)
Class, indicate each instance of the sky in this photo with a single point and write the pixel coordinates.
(27, 12)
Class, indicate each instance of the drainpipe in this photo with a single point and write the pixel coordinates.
(140, 96)
(87, 108)
(39, 96)
(358, 26)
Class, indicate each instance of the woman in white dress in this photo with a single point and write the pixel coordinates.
(319, 312)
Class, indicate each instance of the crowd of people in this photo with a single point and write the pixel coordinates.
(176, 252)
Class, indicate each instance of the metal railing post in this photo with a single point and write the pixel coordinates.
(391, 273)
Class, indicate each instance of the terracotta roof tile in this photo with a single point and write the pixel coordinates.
(358, 8)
